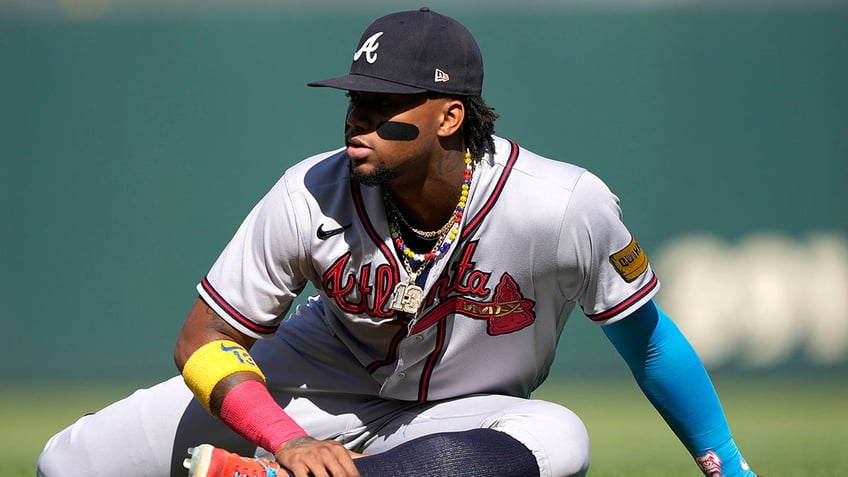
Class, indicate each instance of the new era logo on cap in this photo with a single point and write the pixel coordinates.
(414, 52)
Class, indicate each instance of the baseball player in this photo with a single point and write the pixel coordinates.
(447, 261)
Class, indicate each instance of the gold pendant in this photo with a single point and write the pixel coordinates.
(407, 297)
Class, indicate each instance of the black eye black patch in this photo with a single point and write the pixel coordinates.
(397, 131)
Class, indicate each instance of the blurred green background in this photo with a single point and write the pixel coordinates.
(135, 135)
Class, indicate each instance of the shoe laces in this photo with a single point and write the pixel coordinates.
(269, 471)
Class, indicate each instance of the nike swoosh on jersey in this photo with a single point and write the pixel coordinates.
(325, 234)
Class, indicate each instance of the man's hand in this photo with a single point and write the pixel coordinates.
(305, 456)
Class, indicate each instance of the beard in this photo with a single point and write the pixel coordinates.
(380, 176)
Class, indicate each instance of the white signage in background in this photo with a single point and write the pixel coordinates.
(760, 301)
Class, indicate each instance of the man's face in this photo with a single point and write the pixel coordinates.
(390, 135)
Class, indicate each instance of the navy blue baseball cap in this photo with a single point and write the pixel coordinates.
(414, 52)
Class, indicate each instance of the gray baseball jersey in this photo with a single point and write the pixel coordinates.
(538, 236)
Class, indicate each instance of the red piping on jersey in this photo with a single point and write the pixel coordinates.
(628, 302)
(467, 231)
(392, 356)
(427, 374)
(356, 193)
(234, 314)
(490, 202)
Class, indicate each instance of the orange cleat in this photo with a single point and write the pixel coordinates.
(209, 461)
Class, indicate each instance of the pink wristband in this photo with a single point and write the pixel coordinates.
(250, 410)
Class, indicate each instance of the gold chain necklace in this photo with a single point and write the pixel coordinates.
(397, 214)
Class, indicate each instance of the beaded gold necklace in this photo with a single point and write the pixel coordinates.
(408, 295)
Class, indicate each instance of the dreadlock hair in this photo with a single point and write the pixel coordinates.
(478, 126)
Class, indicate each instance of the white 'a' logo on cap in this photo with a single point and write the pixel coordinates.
(369, 47)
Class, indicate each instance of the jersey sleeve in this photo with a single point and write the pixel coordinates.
(611, 276)
(257, 276)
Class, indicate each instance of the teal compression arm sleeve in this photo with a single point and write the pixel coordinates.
(673, 378)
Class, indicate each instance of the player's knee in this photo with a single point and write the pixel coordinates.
(568, 443)
(51, 461)
(556, 436)
(64, 456)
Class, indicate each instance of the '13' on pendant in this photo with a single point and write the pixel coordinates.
(407, 297)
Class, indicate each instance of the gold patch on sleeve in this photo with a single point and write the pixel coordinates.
(630, 262)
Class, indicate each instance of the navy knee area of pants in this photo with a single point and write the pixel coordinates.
(462, 454)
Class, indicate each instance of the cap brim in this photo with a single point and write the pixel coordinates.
(366, 84)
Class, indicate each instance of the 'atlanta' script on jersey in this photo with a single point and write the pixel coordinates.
(466, 291)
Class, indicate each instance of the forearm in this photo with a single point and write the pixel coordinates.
(673, 378)
(217, 367)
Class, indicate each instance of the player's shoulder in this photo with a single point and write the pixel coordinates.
(323, 170)
(557, 172)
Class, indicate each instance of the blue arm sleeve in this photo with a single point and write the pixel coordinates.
(675, 381)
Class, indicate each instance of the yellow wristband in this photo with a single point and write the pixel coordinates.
(211, 363)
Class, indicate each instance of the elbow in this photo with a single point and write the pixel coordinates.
(180, 356)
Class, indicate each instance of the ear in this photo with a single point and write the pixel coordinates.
(453, 113)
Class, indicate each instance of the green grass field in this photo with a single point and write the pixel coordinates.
(787, 427)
